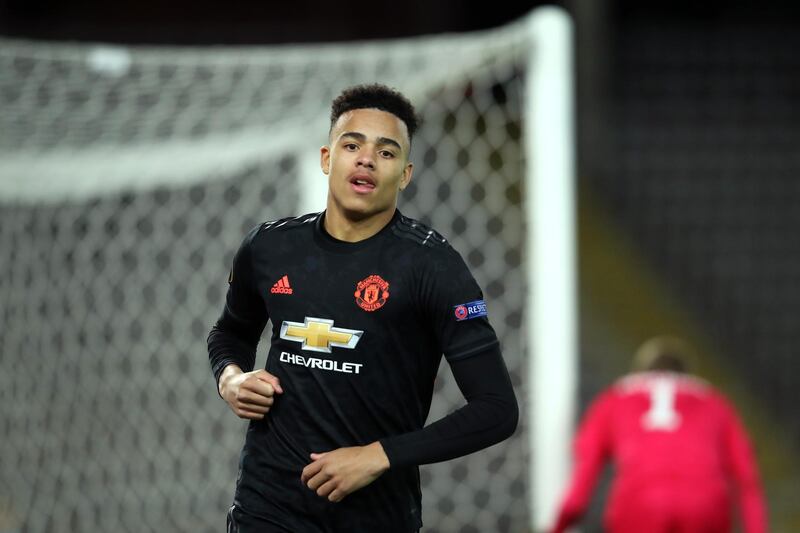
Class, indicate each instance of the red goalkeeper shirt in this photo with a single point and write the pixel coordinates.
(682, 458)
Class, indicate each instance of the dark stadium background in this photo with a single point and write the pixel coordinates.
(251, 22)
(688, 133)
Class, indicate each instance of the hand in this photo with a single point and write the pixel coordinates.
(249, 394)
(337, 473)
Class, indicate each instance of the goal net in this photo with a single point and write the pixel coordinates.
(128, 177)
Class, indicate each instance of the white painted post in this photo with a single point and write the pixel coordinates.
(313, 183)
(550, 211)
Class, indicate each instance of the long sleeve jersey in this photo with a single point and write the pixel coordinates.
(358, 333)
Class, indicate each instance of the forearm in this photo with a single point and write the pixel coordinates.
(576, 499)
(473, 427)
(754, 512)
(591, 450)
(226, 348)
(229, 371)
(489, 417)
(746, 477)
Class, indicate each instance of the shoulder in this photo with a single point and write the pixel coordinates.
(602, 404)
(631, 383)
(695, 385)
(415, 233)
(289, 223)
(283, 226)
(430, 251)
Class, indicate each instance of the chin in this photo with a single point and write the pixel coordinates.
(358, 213)
(357, 209)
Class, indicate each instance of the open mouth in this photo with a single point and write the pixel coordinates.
(362, 184)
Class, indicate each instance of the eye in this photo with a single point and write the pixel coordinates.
(351, 147)
(387, 154)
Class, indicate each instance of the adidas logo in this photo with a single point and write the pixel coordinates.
(282, 286)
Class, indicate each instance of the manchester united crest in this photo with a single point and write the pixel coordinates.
(372, 292)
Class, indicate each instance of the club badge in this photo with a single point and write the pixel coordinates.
(372, 292)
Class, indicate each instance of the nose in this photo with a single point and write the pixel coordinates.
(366, 161)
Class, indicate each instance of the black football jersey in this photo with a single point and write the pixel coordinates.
(357, 335)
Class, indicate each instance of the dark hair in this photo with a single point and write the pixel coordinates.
(667, 361)
(376, 96)
(663, 353)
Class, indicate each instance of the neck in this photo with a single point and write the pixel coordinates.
(344, 228)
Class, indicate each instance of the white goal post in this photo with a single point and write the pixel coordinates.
(552, 329)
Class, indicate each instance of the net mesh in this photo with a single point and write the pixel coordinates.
(127, 180)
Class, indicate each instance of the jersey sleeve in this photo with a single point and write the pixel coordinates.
(490, 416)
(235, 336)
(454, 302)
(744, 472)
(591, 449)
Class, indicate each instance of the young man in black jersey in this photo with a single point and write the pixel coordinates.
(363, 303)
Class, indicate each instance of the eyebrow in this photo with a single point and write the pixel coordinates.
(363, 138)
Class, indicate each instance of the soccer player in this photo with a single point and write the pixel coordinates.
(678, 447)
(363, 303)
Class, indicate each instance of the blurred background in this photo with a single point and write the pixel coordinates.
(140, 140)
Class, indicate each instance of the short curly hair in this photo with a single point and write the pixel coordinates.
(376, 96)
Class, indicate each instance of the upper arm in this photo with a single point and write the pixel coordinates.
(244, 312)
(741, 457)
(454, 304)
(593, 437)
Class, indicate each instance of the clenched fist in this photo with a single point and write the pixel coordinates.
(250, 395)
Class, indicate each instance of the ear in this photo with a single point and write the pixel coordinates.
(325, 159)
(406, 178)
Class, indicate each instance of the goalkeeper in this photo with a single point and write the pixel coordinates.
(363, 303)
(682, 457)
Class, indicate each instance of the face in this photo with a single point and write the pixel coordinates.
(366, 163)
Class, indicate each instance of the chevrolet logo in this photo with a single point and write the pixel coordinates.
(319, 335)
